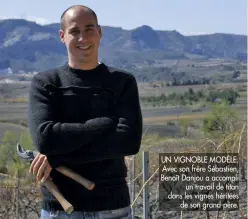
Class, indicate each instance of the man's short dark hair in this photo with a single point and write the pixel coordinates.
(62, 22)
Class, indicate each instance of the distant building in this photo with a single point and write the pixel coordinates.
(6, 71)
(242, 56)
(197, 51)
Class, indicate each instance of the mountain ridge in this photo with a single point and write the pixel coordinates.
(28, 46)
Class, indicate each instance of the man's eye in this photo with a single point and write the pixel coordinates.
(88, 30)
(74, 31)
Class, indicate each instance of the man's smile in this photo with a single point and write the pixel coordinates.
(84, 48)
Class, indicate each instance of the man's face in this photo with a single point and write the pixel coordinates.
(81, 36)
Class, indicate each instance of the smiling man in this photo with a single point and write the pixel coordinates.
(84, 115)
(81, 34)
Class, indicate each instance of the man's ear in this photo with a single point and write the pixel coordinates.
(100, 31)
(62, 35)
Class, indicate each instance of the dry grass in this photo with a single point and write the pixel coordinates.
(14, 100)
(243, 94)
(242, 111)
(235, 142)
(161, 119)
(147, 90)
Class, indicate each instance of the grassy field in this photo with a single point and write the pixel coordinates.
(18, 129)
(171, 129)
(145, 89)
(163, 127)
(13, 111)
(13, 107)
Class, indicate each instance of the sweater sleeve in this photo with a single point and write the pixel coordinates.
(54, 138)
(124, 140)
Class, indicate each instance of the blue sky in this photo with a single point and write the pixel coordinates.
(189, 17)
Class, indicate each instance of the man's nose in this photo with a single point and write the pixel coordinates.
(81, 37)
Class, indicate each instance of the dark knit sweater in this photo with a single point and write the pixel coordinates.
(87, 120)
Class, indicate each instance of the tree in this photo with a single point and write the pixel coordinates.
(221, 120)
(191, 91)
(8, 156)
(236, 74)
(200, 94)
(184, 124)
(7, 148)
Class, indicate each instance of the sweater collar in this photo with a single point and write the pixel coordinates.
(99, 68)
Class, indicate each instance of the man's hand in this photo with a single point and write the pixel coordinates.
(40, 167)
